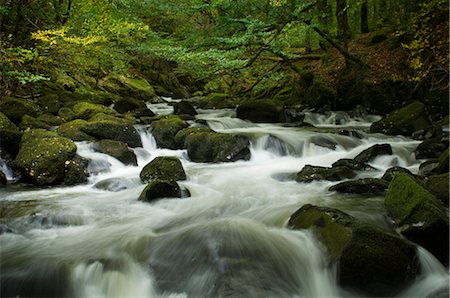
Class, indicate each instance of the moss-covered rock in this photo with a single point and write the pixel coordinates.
(10, 135)
(50, 119)
(404, 121)
(66, 114)
(391, 172)
(127, 104)
(45, 157)
(431, 148)
(113, 131)
(165, 129)
(133, 87)
(310, 173)
(218, 101)
(158, 189)
(365, 186)
(123, 119)
(163, 168)
(443, 163)
(216, 147)
(373, 152)
(352, 164)
(260, 111)
(50, 103)
(180, 137)
(118, 150)
(419, 216)
(16, 108)
(438, 185)
(72, 131)
(32, 123)
(370, 260)
(85, 110)
(184, 108)
(320, 95)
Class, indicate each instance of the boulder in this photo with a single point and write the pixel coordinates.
(10, 135)
(184, 108)
(45, 158)
(370, 260)
(373, 152)
(113, 130)
(352, 164)
(134, 87)
(217, 147)
(66, 114)
(365, 186)
(443, 163)
(180, 137)
(165, 129)
(85, 110)
(404, 121)
(74, 171)
(324, 141)
(118, 150)
(418, 215)
(261, 111)
(3, 179)
(310, 173)
(72, 130)
(391, 172)
(126, 104)
(167, 168)
(158, 189)
(428, 167)
(32, 123)
(432, 148)
(142, 112)
(438, 185)
(16, 108)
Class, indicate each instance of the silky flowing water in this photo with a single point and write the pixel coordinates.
(229, 238)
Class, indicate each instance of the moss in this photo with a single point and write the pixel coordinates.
(16, 108)
(443, 163)
(319, 94)
(10, 135)
(72, 131)
(113, 130)
(310, 173)
(42, 156)
(132, 87)
(85, 110)
(165, 129)
(163, 167)
(50, 119)
(218, 101)
(108, 117)
(31, 122)
(180, 137)
(66, 114)
(438, 185)
(268, 111)
(118, 150)
(50, 103)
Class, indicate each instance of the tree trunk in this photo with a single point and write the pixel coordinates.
(343, 29)
(325, 16)
(364, 17)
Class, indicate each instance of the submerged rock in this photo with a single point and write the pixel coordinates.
(366, 186)
(158, 189)
(310, 173)
(404, 121)
(163, 168)
(418, 215)
(217, 147)
(370, 260)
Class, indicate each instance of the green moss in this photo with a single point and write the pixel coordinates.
(319, 95)
(50, 119)
(443, 163)
(218, 101)
(10, 135)
(85, 110)
(16, 108)
(438, 185)
(108, 117)
(165, 168)
(127, 86)
(180, 137)
(164, 131)
(72, 131)
(31, 122)
(113, 130)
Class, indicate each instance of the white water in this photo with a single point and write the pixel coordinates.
(227, 239)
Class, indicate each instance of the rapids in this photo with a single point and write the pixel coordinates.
(228, 239)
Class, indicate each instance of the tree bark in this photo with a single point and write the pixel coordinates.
(343, 28)
(364, 17)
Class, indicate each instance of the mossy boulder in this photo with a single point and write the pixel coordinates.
(404, 121)
(418, 215)
(127, 104)
(163, 168)
(184, 108)
(50, 103)
(142, 112)
(311, 173)
(260, 111)
(113, 130)
(365, 186)
(123, 119)
(373, 152)
(50, 119)
(165, 129)
(431, 148)
(16, 108)
(118, 150)
(391, 172)
(85, 110)
(438, 185)
(10, 135)
(45, 158)
(218, 101)
(32, 122)
(217, 147)
(66, 114)
(371, 261)
(180, 137)
(352, 164)
(158, 189)
(72, 131)
(133, 87)
(443, 163)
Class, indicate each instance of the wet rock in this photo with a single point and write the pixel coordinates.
(158, 189)
(366, 186)
(310, 173)
(352, 133)
(10, 135)
(428, 167)
(75, 171)
(118, 150)
(418, 215)
(373, 152)
(438, 185)
(163, 168)
(113, 130)
(16, 108)
(44, 157)
(404, 121)
(180, 137)
(184, 108)
(430, 149)
(352, 164)
(293, 115)
(370, 260)
(443, 163)
(142, 112)
(217, 147)
(165, 129)
(323, 141)
(126, 104)
(3, 179)
(114, 184)
(261, 111)
(31, 122)
(391, 172)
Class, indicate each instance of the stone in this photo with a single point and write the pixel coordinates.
(72, 130)
(352, 164)
(373, 152)
(180, 137)
(10, 135)
(16, 108)
(118, 150)
(163, 168)
(311, 173)
(365, 186)
(184, 108)
(113, 130)
(438, 185)
(391, 172)
(85, 110)
(165, 129)
(158, 189)
(432, 148)
(261, 111)
(126, 104)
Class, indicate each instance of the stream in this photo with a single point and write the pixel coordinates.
(228, 239)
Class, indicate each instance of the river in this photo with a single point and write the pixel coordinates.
(228, 239)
